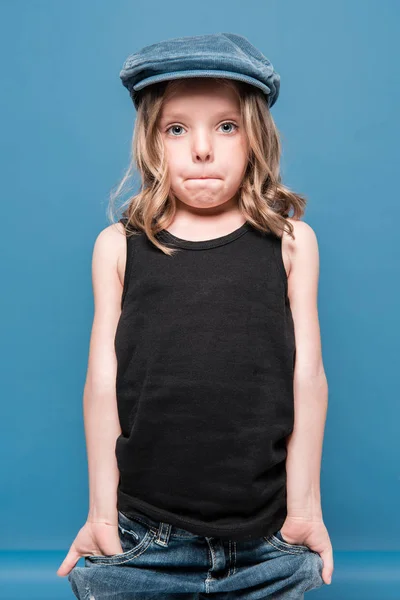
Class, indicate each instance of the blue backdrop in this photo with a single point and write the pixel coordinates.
(66, 123)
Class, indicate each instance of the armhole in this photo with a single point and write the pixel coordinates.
(277, 245)
(128, 262)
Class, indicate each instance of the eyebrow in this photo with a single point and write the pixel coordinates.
(222, 113)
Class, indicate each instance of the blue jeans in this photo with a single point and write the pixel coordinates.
(162, 561)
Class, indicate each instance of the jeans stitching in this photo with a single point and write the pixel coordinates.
(126, 556)
(276, 543)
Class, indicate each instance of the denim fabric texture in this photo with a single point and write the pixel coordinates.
(162, 561)
(226, 55)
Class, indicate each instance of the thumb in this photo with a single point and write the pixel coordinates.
(68, 563)
(327, 570)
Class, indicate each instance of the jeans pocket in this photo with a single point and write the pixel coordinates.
(276, 539)
(135, 537)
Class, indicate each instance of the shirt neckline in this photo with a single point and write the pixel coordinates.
(204, 244)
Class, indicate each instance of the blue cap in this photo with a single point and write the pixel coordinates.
(226, 55)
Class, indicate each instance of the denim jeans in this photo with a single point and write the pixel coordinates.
(162, 561)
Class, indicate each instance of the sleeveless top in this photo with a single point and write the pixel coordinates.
(205, 352)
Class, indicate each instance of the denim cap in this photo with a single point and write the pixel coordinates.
(226, 55)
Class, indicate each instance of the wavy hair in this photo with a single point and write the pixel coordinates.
(263, 199)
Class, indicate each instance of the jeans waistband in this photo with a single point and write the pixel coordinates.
(163, 528)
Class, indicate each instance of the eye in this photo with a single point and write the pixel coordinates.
(229, 123)
(175, 127)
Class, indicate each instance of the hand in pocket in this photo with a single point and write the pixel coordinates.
(95, 538)
(311, 533)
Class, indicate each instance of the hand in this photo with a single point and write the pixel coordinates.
(94, 538)
(298, 530)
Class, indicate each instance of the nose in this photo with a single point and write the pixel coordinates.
(202, 149)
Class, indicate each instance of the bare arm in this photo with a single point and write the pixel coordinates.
(99, 405)
(310, 384)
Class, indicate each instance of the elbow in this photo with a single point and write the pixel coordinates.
(311, 376)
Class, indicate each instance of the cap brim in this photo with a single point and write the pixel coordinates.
(200, 73)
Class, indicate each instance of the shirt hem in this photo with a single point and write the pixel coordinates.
(238, 532)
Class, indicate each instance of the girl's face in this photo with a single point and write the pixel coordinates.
(205, 145)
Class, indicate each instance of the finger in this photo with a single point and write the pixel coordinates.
(327, 571)
(68, 563)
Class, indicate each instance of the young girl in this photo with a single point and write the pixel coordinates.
(206, 397)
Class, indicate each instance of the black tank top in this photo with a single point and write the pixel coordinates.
(205, 351)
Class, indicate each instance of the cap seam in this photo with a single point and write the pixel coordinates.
(183, 57)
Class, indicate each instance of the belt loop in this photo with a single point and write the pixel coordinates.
(163, 533)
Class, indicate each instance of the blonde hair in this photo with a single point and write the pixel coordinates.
(262, 199)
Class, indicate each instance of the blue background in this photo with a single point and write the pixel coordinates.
(66, 123)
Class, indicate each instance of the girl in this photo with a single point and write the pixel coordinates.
(206, 397)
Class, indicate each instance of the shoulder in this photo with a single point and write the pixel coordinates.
(302, 231)
(302, 251)
(110, 248)
(111, 238)
(305, 237)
